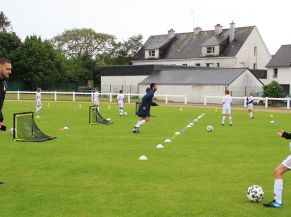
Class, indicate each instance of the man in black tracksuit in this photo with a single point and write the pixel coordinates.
(145, 107)
(5, 71)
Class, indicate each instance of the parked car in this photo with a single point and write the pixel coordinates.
(260, 101)
(85, 89)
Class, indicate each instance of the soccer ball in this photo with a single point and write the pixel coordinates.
(125, 113)
(255, 193)
(209, 128)
(11, 131)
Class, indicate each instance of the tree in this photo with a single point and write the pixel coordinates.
(9, 42)
(38, 63)
(77, 43)
(122, 52)
(274, 89)
(5, 24)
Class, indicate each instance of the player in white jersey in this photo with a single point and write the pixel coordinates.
(250, 103)
(38, 100)
(120, 102)
(95, 98)
(226, 108)
(282, 168)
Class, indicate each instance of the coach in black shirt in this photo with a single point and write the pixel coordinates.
(5, 71)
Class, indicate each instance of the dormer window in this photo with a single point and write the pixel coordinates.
(152, 53)
(210, 50)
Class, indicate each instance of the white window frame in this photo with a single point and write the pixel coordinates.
(152, 53)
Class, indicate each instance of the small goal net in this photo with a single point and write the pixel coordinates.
(26, 130)
(95, 117)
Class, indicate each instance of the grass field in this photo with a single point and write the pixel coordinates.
(93, 171)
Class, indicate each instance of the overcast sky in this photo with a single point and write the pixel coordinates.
(124, 18)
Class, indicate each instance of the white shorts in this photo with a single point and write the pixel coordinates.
(287, 162)
(250, 106)
(121, 105)
(38, 103)
(96, 102)
(226, 111)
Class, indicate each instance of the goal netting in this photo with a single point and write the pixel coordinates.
(26, 130)
(95, 117)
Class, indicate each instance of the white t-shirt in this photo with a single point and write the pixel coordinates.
(95, 98)
(250, 100)
(227, 100)
(120, 97)
(38, 96)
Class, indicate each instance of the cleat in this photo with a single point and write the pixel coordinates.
(273, 204)
(230, 124)
(222, 125)
(2, 182)
(135, 130)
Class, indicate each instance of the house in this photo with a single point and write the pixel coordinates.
(241, 47)
(279, 68)
(200, 81)
(127, 77)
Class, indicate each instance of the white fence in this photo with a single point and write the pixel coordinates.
(265, 101)
(72, 96)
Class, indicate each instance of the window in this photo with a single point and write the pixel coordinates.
(197, 64)
(209, 64)
(210, 50)
(184, 64)
(255, 66)
(218, 65)
(255, 50)
(152, 53)
(275, 73)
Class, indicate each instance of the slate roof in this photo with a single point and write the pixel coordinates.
(188, 45)
(137, 70)
(198, 76)
(282, 58)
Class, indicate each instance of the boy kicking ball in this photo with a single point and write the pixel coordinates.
(284, 167)
(226, 108)
(145, 107)
(120, 100)
(250, 103)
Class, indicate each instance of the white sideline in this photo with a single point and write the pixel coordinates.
(110, 95)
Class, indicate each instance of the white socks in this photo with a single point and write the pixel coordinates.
(38, 108)
(278, 190)
(223, 119)
(121, 112)
(251, 115)
(140, 123)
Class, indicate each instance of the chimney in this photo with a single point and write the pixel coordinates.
(232, 31)
(171, 33)
(197, 30)
(218, 29)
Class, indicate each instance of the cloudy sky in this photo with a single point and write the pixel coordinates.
(124, 18)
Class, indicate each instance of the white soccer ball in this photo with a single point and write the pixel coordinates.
(209, 128)
(11, 131)
(255, 193)
(125, 113)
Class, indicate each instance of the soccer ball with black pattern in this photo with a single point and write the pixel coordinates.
(255, 193)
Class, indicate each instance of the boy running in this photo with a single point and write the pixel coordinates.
(250, 103)
(95, 99)
(120, 99)
(282, 168)
(145, 107)
(38, 100)
(226, 108)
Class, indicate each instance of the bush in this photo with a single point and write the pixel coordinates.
(274, 89)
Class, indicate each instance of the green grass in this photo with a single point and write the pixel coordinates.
(94, 170)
